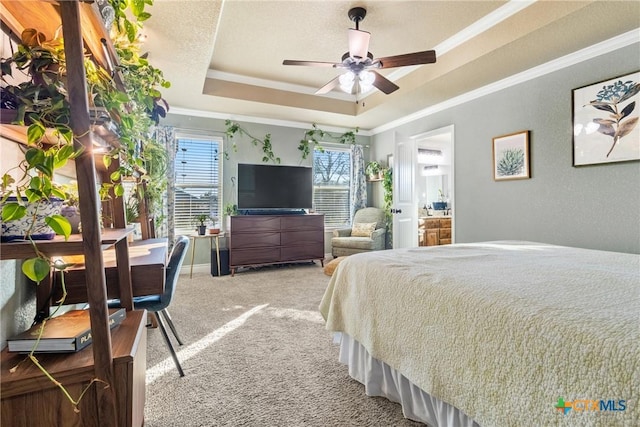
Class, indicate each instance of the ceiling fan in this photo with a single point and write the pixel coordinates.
(361, 65)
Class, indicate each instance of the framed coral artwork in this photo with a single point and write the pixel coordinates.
(511, 156)
(605, 121)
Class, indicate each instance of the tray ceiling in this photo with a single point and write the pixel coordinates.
(225, 57)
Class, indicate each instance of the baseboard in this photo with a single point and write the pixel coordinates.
(197, 268)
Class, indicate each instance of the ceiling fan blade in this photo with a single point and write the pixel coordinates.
(310, 63)
(329, 86)
(383, 84)
(416, 58)
(358, 43)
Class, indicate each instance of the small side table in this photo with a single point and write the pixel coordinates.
(211, 238)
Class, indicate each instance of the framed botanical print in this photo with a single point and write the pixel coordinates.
(511, 156)
(605, 121)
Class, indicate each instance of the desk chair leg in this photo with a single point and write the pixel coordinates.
(165, 313)
(163, 329)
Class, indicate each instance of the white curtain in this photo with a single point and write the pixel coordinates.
(358, 180)
(166, 136)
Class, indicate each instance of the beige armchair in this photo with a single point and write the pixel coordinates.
(343, 243)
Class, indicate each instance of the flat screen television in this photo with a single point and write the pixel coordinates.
(274, 187)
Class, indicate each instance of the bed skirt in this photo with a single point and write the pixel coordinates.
(379, 379)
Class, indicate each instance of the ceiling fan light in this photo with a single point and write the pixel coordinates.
(346, 81)
(366, 81)
(358, 43)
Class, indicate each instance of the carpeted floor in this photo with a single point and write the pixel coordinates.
(256, 354)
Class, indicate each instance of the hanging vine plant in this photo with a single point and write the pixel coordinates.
(387, 183)
(310, 141)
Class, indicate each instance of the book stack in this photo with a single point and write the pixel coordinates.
(67, 333)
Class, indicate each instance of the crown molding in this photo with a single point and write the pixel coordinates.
(261, 120)
(607, 46)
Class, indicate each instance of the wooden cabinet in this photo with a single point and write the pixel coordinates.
(435, 231)
(274, 239)
(31, 399)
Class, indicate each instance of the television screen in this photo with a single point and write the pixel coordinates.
(274, 187)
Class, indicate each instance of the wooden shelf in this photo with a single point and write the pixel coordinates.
(58, 246)
(104, 134)
(44, 17)
(116, 357)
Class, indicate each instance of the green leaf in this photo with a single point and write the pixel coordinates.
(35, 132)
(47, 166)
(12, 211)
(33, 195)
(115, 176)
(59, 224)
(118, 190)
(66, 133)
(35, 183)
(58, 193)
(144, 16)
(34, 156)
(121, 97)
(130, 29)
(137, 7)
(36, 269)
(7, 180)
(106, 159)
(66, 152)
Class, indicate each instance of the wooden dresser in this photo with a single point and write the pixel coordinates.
(436, 231)
(275, 239)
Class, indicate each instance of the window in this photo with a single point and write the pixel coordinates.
(331, 184)
(198, 178)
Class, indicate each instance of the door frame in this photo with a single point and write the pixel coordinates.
(441, 135)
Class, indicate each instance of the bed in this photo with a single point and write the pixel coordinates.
(503, 333)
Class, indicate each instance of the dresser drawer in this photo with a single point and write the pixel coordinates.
(299, 222)
(302, 237)
(445, 223)
(302, 252)
(255, 223)
(254, 256)
(433, 223)
(254, 240)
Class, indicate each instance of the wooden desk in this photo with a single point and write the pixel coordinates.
(31, 398)
(148, 260)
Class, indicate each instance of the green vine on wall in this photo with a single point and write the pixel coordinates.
(310, 140)
(387, 184)
(234, 128)
(312, 135)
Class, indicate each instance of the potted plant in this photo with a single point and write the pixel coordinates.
(373, 170)
(201, 223)
(230, 209)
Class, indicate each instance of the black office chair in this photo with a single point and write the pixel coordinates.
(157, 304)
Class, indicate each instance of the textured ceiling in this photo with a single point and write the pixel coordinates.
(225, 57)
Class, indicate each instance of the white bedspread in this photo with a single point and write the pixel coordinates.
(500, 330)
